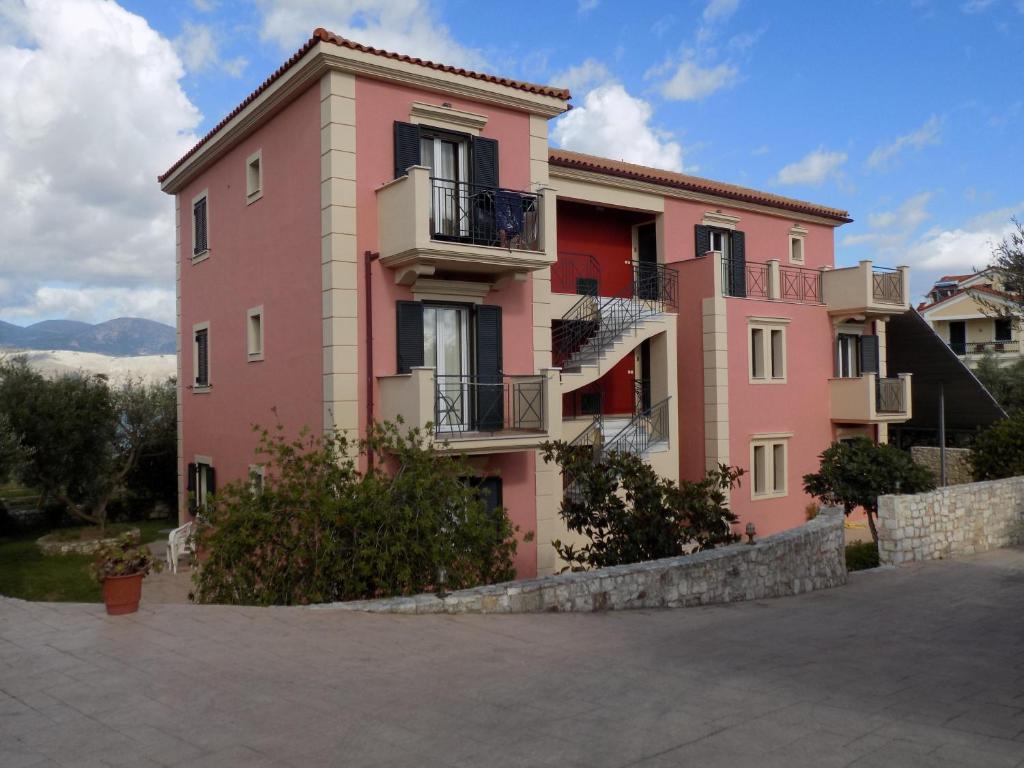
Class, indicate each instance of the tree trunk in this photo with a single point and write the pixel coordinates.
(871, 525)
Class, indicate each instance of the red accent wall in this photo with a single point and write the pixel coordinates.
(604, 233)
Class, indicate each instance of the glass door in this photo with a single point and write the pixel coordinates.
(446, 347)
(446, 159)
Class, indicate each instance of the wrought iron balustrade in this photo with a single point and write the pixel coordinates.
(890, 395)
(646, 428)
(576, 273)
(488, 404)
(887, 285)
(481, 215)
(983, 347)
(800, 284)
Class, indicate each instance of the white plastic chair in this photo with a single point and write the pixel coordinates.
(178, 544)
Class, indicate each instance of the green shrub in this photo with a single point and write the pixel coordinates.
(321, 531)
(998, 450)
(630, 514)
(861, 555)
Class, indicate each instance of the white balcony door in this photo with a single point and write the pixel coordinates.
(446, 347)
(447, 161)
(847, 364)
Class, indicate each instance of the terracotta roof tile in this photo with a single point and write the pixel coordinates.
(567, 159)
(322, 35)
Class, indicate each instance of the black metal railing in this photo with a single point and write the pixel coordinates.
(474, 404)
(646, 428)
(800, 284)
(576, 273)
(589, 442)
(594, 323)
(585, 401)
(984, 347)
(890, 395)
(757, 280)
(641, 395)
(887, 285)
(482, 215)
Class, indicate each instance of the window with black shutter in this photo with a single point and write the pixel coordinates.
(202, 357)
(409, 328)
(407, 147)
(485, 162)
(737, 264)
(869, 355)
(702, 240)
(200, 236)
(490, 399)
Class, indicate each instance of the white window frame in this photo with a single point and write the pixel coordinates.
(854, 361)
(257, 477)
(253, 187)
(798, 235)
(202, 481)
(767, 326)
(725, 243)
(769, 442)
(200, 388)
(254, 346)
(202, 255)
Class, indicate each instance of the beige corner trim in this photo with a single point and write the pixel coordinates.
(719, 219)
(178, 394)
(649, 188)
(447, 117)
(338, 252)
(459, 291)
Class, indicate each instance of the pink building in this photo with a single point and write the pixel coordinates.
(369, 236)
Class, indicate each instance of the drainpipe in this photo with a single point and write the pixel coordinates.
(942, 434)
(368, 258)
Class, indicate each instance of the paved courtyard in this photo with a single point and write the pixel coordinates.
(922, 666)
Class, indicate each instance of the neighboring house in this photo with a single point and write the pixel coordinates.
(370, 236)
(964, 310)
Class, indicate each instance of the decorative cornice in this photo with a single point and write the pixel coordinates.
(446, 117)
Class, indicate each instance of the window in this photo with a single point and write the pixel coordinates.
(1003, 329)
(768, 466)
(796, 249)
(768, 350)
(200, 227)
(720, 242)
(201, 483)
(446, 157)
(254, 333)
(201, 356)
(847, 356)
(254, 177)
(257, 477)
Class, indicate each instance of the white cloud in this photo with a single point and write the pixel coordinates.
(402, 26)
(91, 110)
(197, 46)
(720, 10)
(586, 6)
(890, 231)
(614, 124)
(812, 169)
(581, 76)
(976, 6)
(691, 82)
(94, 304)
(925, 135)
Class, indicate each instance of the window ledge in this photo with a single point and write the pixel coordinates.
(767, 496)
(255, 357)
(767, 381)
(201, 389)
(201, 256)
(252, 198)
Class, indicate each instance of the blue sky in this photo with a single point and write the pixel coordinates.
(907, 113)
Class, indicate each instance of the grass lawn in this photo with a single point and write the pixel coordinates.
(26, 574)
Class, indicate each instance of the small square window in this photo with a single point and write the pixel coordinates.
(796, 249)
(254, 333)
(254, 177)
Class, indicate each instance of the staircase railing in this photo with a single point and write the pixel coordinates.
(590, 439)
(646, 428)
(594, 323)
(576, 273)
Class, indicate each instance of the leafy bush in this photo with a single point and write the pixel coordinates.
(854, 473)
(861, 555)
(630, 514)
(998, 449)
(321, 531)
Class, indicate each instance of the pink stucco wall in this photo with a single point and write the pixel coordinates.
(378, 106)
(266, 253)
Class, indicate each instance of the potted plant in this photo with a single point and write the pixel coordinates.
(120, 568)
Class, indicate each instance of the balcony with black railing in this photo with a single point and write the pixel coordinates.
(994, 347)
(770, 280)
(870, 399)
(428, 223)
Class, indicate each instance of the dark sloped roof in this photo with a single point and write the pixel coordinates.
(912, 346)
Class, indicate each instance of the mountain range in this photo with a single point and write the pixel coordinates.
(120, 337)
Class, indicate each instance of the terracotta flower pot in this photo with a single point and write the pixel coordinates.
(122, 593)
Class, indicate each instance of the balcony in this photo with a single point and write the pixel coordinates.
(428, 224)
(866, 291)
(870, 399)
(474, 415)
(770, 280)
(967, 348)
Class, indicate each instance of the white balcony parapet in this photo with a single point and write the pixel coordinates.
(868, 399)
(866, 290)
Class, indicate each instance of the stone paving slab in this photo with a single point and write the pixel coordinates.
(917, 666)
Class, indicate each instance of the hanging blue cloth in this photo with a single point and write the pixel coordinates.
(508, 212)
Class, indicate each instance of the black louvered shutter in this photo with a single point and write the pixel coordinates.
(190, 479)
(407, 147)
(199, 222)
(202, 358)
(702, 238)
(737, 264)
(410, 335)
(485, 162)
(869, 360)
(211, 480)
(490, 415)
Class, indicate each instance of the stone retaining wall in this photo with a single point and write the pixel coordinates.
(803, 559)
(950, 521)
(49, 545)
(958, 470)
